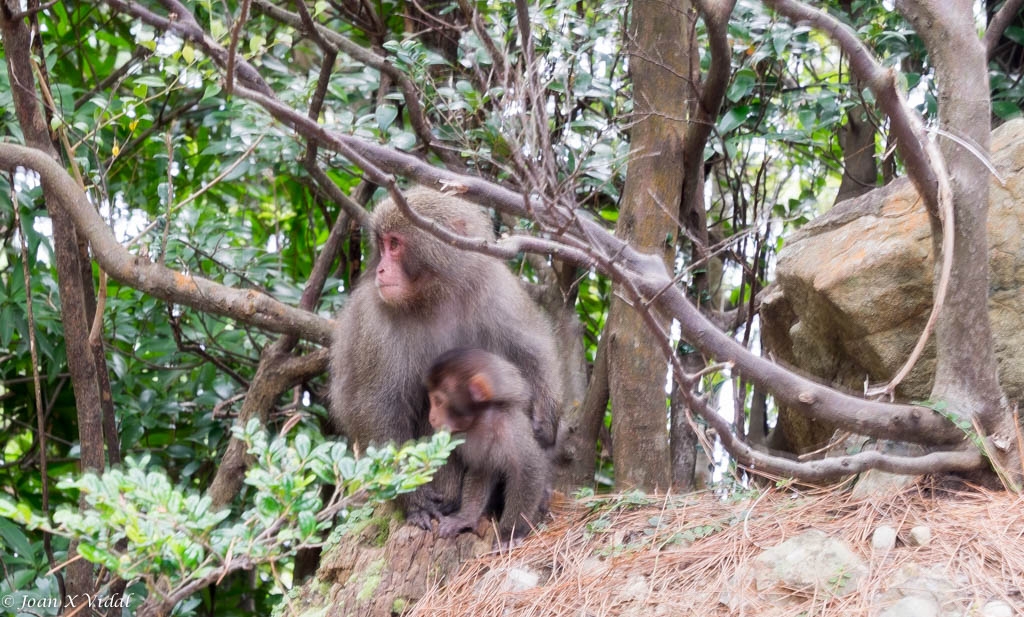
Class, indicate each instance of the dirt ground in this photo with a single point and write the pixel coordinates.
(669, 555)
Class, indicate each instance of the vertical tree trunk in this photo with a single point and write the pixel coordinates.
(659, 63)
(965, 372)
(73, 277)
(857, 139)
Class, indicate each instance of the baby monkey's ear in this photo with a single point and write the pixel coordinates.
(480, 388)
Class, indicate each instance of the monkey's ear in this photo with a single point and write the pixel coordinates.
(480, 390)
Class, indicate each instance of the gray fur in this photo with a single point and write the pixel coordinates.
(380, 354)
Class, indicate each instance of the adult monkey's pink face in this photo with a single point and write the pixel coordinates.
(394, 283)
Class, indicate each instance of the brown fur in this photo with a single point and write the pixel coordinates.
(381, 353)
(484, 399)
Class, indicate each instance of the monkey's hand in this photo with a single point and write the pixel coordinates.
(420, 518)
(545, 432)
(451, 526)
(420, 509)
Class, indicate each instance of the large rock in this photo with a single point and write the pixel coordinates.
(809, 564)
(853, 289)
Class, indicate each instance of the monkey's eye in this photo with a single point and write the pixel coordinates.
(394, 243)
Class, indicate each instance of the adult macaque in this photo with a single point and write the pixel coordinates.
(426, 298)
(484, 399)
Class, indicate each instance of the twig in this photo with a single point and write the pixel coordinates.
(236, 30)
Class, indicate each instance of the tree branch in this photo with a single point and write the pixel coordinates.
(410, 93)
(278, 370)
(236, 31)
(712, 92)
(925, 164)
(247, 306)
(894, 421)
(915, 424)
(998, 24)
(74, 276)
(587, 243)
(906, 124)
(183, 24)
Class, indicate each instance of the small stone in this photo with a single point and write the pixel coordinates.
(520, 579)
(997, 608)
(920, 535)
(912, 606)
(509, 580)
(811, 561)
(884, 538)
(635, 589)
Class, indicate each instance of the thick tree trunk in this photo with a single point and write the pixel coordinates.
(857, 139)
(577, 432)
(965, 372)
(385, 567)
(637, 369)
(74, 278)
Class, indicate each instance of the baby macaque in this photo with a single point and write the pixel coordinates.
(484, 399)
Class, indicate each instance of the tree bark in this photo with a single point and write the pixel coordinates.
(73, 276)
(705, 100)
(659, 57)
(857, 140)
(278, 371)
(386, 566)
(556, 295)
(582, 426)
(965, 371)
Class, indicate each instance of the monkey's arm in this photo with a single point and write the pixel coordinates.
(476, 493)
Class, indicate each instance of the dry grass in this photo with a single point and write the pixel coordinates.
(676, 557)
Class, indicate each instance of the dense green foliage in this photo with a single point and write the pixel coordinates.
(143, 528)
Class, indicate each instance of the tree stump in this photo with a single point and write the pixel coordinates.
(383, 568)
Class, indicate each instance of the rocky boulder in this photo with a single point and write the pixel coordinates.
(853, 289)
(809, 564)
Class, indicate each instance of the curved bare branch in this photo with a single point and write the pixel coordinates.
(907, 422)
(925, 164)
(906, 124)
(410, 93)
(246, 305)
(894, 421)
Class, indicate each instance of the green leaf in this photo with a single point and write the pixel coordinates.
(1006, 109)
(742, 85)
(15, 539)
(303, 445)
(1015, 34)
(386, 115)
(307, 524)
(733, 118)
